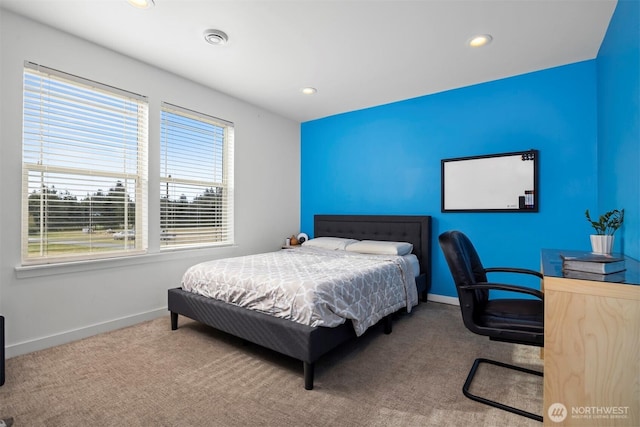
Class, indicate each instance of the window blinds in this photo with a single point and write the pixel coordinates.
(196, 179)
(84, 168)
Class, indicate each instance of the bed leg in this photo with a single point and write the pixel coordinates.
(174, 321)
(425, 295)
(386, 321)
(308, 375)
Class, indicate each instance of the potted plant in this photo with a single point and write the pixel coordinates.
(605, 226)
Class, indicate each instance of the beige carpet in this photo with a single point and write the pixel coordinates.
(148, 375)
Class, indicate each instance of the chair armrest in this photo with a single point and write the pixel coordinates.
(513, 270)
(504, 287)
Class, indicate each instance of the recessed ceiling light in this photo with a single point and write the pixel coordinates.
(309, 90)
(141, 4)
(215, 37)
(481, 40)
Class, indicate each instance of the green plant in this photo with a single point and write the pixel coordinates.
(608, 223)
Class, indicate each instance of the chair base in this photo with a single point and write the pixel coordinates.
(467, 385)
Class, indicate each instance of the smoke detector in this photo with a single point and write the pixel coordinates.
(215, 37)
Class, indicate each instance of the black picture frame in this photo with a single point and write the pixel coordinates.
(502, 182)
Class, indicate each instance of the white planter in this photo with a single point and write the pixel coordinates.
(601, 244)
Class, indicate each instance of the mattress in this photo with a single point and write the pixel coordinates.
(312, 286)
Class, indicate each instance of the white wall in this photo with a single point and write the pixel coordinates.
(49, 306)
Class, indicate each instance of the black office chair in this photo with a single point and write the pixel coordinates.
(518, 321)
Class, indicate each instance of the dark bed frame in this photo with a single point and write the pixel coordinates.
(293, 339)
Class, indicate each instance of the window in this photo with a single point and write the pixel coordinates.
(196, 179)
(84, 164)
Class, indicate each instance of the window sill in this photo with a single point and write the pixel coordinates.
(29, 271)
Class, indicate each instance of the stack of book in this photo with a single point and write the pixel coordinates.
(590, 266)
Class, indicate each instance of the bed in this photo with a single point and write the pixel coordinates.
(297, 340)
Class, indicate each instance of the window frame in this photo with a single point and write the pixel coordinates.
(77, 171)
(226, 182)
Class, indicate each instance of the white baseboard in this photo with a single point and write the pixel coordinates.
(80, 333)
(77, 334)
(443, 299)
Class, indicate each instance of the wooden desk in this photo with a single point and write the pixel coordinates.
(591, 347)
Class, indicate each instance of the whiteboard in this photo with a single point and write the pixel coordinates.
(504, 182)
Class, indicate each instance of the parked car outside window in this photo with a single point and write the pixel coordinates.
(120, 235)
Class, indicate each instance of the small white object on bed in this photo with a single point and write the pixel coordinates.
(380, 247)
(330, 243)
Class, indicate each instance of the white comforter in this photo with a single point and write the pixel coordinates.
(312, 286)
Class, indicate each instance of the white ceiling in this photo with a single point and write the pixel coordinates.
(357, 53)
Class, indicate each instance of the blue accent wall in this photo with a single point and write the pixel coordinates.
(618, 76)
(386, 160)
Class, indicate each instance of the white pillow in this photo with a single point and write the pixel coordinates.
(330, 243)
(379, 247)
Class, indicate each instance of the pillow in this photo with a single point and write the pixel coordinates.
(379, 247)
(330, 243)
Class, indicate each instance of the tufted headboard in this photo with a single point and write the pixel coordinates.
(415, 229)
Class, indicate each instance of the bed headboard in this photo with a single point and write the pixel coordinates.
(414, 229)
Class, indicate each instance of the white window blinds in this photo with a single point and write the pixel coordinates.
(196, 179)
(84, 168)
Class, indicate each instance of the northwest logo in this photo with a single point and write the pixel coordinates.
(557, 412)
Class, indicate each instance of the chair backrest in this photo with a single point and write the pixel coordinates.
(466, 269)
